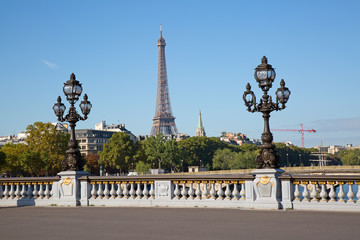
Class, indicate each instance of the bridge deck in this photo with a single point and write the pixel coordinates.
(169, 223)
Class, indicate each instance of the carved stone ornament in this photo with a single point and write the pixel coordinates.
(163, 190)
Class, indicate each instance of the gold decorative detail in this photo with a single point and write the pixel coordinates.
(131, 182)
(235, 182)
(182, 182)
(226, 182)
(296, 182)
(341, 183)
(5, 184)
(176, 182)
(117, 182)
(204, 182)
(242, 182)
(331, 182)
(11, 183)
(16, 183)
(264, 180)
(111, 182)
(313, 182)
(357, 183)
(211, 181)
(67, 181)
(304, 182)
(322, 182)
(98, 182)
(196, 182)
(219, 182)
(350, 183)
(92, 182)
(189, 181)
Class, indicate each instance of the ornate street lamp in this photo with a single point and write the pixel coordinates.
(265, 75)
(72, 90)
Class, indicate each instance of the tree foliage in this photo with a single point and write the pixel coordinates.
(92, 163)
(142, 167)
(118, 152)
(349, 157)
(49, 143)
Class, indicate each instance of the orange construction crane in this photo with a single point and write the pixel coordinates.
(301, 131)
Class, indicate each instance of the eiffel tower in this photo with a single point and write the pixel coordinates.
(164, 121)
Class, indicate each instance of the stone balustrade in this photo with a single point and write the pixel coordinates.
(187, 191)
(27, 191)
(262, 189)
(325, 192)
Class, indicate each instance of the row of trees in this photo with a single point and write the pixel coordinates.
(41, 155)
(45, 149)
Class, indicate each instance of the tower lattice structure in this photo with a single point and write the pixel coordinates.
(164, 121)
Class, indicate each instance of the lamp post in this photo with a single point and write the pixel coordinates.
(72, 90)
(287, 160)
(265, 75)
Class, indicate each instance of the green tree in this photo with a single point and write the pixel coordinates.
(223, 159)
(142, 167)
(155, 149)
(201, 148)
(349, 157)
(118, 152)
(49, 143)
(173, 155)
(13, 162)
(32, 163)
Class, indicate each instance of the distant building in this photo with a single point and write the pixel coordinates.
(115, 128)
(92, 141)
(200, 131)
(238, 139)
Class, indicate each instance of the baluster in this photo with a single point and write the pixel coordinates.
(106, 190)
(220, 191)
(350, 193)
(314, 193)
(1, 191)
(235, 192)
(305, 193)
(100, 192)
(152, 190)
(227, 191)
(146, 191)
(205, 193)
(212, 190)
(126, 191)
(341, 193)
(132, 190)
(191, 190)
(51, 189)
(18, 192)
(29, 191)
(297, 193)
(177, 190)
(332, 193)
(323, 193)
(47, 190)
(12, 190)
(184, 191)
(198, 190)
(119, 191)
(242, 191)
(41, 192)
(138, 191)
(93, 190)
(112, 191)
(358, 192)
(6, 191)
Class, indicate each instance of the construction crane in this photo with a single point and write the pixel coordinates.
(301, 131)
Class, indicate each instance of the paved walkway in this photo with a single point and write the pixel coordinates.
(173, 223)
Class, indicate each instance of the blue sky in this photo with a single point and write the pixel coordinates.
(212, 50)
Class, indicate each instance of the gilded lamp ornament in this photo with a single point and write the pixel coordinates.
(265, 76)
(72, 90)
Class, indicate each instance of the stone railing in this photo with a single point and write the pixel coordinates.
(328, 192)
(261, 189)
(27, 191)
(186, 191)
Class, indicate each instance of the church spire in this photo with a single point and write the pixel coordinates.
(200, 131)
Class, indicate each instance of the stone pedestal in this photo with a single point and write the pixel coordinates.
(267, 188)
(68, 192)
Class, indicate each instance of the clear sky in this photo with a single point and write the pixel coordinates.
(212, 50)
